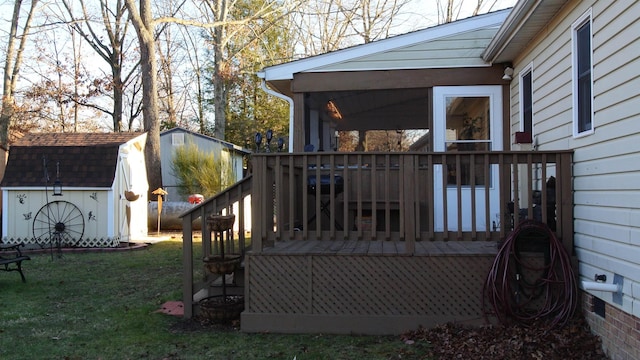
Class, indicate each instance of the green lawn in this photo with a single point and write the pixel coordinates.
(104, 306)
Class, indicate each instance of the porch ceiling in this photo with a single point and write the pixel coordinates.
(389, 109)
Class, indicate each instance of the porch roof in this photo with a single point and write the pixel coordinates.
(422, 49)
(524, 22)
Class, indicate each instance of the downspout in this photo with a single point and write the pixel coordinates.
(266, 89)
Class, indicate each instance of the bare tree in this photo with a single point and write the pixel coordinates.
(166, 71)
(451, 10)
(197, 102)
(144, 23)
(321, 27)
(372, 19)
(15, 49)
(111, 48)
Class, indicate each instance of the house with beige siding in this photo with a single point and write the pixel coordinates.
(576, 85)
(527, 113)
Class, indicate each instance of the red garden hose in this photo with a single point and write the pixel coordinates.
(512, 292)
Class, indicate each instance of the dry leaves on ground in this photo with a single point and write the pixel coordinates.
(452, 341)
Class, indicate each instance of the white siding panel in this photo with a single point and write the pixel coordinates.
(549, 133)
(606, 163)
(611, 215)
(461, 50)
(607, 198)
(624, 61)
(615, 28)
(618, 250)
(552, 69)
(611, 11)
(609, 149)
(554, 114)
(606, 231)
(622, 163)
(628, 269)
(612, 108)
(620, 182)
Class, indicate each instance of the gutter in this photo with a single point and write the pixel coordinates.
(269, 91)
(512, 24)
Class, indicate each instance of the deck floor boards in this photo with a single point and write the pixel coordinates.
(376, 247)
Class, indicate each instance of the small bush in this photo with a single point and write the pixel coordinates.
(199, 172)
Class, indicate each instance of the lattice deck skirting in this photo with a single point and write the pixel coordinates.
(83, 243)
(359, 291)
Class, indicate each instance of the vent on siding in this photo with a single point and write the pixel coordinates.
(177, 139)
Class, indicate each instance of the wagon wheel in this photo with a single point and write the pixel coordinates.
(58, 223)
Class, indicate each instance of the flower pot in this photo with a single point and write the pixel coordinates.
(221, 308)
(222, 265)
(220, 223)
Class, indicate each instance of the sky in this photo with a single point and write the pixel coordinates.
(424, 13)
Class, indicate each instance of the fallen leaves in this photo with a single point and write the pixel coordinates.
(538, 341)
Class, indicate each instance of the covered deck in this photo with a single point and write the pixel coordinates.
(377, 243)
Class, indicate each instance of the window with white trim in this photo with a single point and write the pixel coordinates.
(582, 76)
(177, 139)
(526, 99)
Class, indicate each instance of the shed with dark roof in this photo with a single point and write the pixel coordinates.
(104, 189)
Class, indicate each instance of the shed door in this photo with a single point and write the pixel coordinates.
(466, 118)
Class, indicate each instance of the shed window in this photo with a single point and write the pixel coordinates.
(177, 139)
(582, 76)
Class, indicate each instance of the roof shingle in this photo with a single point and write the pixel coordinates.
(83, 159)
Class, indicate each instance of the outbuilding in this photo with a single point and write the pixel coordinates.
(75, 189)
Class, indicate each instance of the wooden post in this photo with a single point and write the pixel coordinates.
(160, 192)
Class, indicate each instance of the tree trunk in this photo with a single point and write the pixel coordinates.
(144, 25)
(118, 94)
(150, 112)
(219, 96)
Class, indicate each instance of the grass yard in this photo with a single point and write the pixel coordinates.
(104, 306)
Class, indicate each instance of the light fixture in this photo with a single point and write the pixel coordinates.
(333, 110)
(57, 185)
(269, 138)
(508, 73)
(258, 141)
(280, 144)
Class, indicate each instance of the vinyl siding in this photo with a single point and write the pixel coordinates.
(607, 166)
(460, 50)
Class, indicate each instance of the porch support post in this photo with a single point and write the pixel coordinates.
(257, 194)
(299, 121)
(565, 200)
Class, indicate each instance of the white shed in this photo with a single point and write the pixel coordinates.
(102, 197)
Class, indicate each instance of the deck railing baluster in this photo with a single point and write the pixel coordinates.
(391, 196)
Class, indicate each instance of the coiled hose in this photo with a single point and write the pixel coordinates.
(511, 291)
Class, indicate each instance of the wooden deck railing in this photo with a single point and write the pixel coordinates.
(408, 196)
(222, 203)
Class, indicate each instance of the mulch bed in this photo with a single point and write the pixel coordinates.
(538, 341)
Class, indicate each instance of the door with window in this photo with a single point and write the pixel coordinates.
(466, 118)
